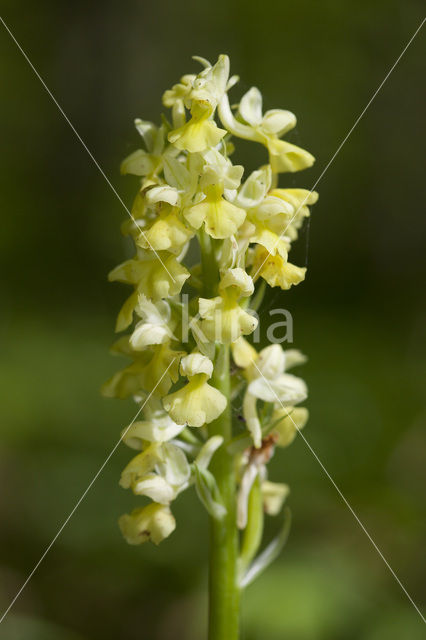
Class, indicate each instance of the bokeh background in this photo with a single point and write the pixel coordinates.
(359, 316)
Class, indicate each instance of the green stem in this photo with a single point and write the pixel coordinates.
(224, 593)
(257, 299)
(209, 265)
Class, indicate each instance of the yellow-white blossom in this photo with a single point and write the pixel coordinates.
(274, 495)
(276, 270)
(160, 472)
(154, 522)
(266, 213)
(221, 218)
(154, 326)
(200, 132)
(287, 422)
(222, 318)
(167, 233)
(267, 129)
(197, 403)
(148, 163)
(157, 276)
(159, 427)
(267, 381)
(152, 371)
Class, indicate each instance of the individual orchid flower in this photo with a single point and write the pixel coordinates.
(288, 421)
(222, 318)
(149, 163)
(167, 233)
(213, 81)
(152, 371)
(299, 200)
(154, 522)
(154, 326)
(157, 276)
(269, 382)
(160, 472)
(197, 403)
(200, 132)
(267, 129)
(264, 212)
(276, 270)
(209, 85)
(221, 218)
(217, 169)
(274, 495)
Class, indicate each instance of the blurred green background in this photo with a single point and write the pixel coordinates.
(359, 316)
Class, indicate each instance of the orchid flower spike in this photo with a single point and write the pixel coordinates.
(208, 237)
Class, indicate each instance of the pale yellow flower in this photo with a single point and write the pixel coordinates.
(154, 327)
(267, 129)
(154, 522)
(220, 217)
(268, 381)
(153, 370)
(160, 472)
(267, 214)
(299, 201)
(167, 233)
(288, 421)
(276, 270)
(274, 495)
(200, 132)
(154, 277)
(197, 403)
(222, 318)
(150, 162)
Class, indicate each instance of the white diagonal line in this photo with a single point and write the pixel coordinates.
(102, 172)
(80, 500)
(343, 497)
(345, 139)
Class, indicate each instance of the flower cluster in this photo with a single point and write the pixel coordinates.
(203, 228)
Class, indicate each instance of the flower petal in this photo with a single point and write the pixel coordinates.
(278, 121)
(251, 106)
(194, 364)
